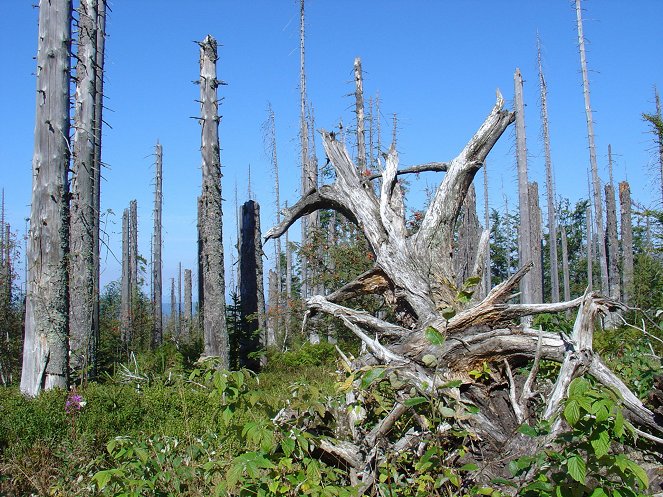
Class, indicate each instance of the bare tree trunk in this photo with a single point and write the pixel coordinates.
(179, 298)
(550, 185)
(125, 286)
(524, 232)
(487, 275)
(277, 196)
(590, 249)
(252, 296)
(288, 285)
(201, 285)
(47, 297)
(565, 267)
(612, 242)
(173, 309)
(303, 136)
(465, 251)
(273, 306)
(535, 239)
(157, 265)
(214, 319)
(359, 110)
(659, 139)
(188, 310)
(82, 212)
(133, 249)
(98, 127)
(627, 241)
(598, 207)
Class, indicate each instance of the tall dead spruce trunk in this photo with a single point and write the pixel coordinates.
(437, 336)
(46, 307)
(214, 310)
(157, 279)
(83, 212)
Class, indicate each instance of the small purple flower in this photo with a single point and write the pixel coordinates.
(74, 403)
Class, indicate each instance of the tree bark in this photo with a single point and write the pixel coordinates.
(565, 266)
(487, 275)
(125, 291)
(535, 240)
(188, 310)
(82, 208)
(525, 230)
(201, 285)
(627, 241)
(307, 181)
(550, 186)
(133, 250)
(173, 310)
(252, 296)
(157, 265)
(596, 181)
(590, 248)
(214, 318)
(273, 314)
(612, 243)
(98, 127)
(359, 111)
(469, 232)
(47, 296)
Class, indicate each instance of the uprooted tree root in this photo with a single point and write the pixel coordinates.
(438, 340)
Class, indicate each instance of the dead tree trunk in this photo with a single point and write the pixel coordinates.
(82, 208)
(214, 317)
(590, 248)
(487, 272)
(627, 241)
(273, 313)
(98, 126)
(173, 310)
(469, 233)
(612, 242)
(271, 132)
(596, 181)
(252, 297)
(125, 285)
(359, 110)
(188, 310)
(550, 186)
(535, 239)
(201, 286)
(565, 266)
(307, 181)
(438, 335)
(133, 249)
(179, 298)
(157, 265)
(525, 230)
(47, 297)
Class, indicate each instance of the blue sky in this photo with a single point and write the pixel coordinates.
(434, 63)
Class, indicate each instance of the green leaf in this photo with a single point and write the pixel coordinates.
(578, 387)
(434, 336)
(288, 446)
(572, 412)
(448, 313)
(370, 376)
(447, 412)
(102, 478)
(472, 281)
(577, 468)
(142, 454)
(526, 429)
(469, 467)
(598, 492)
(638, 472)
(452, 384)
(600, 443)
(619, 423)
(415, 401)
